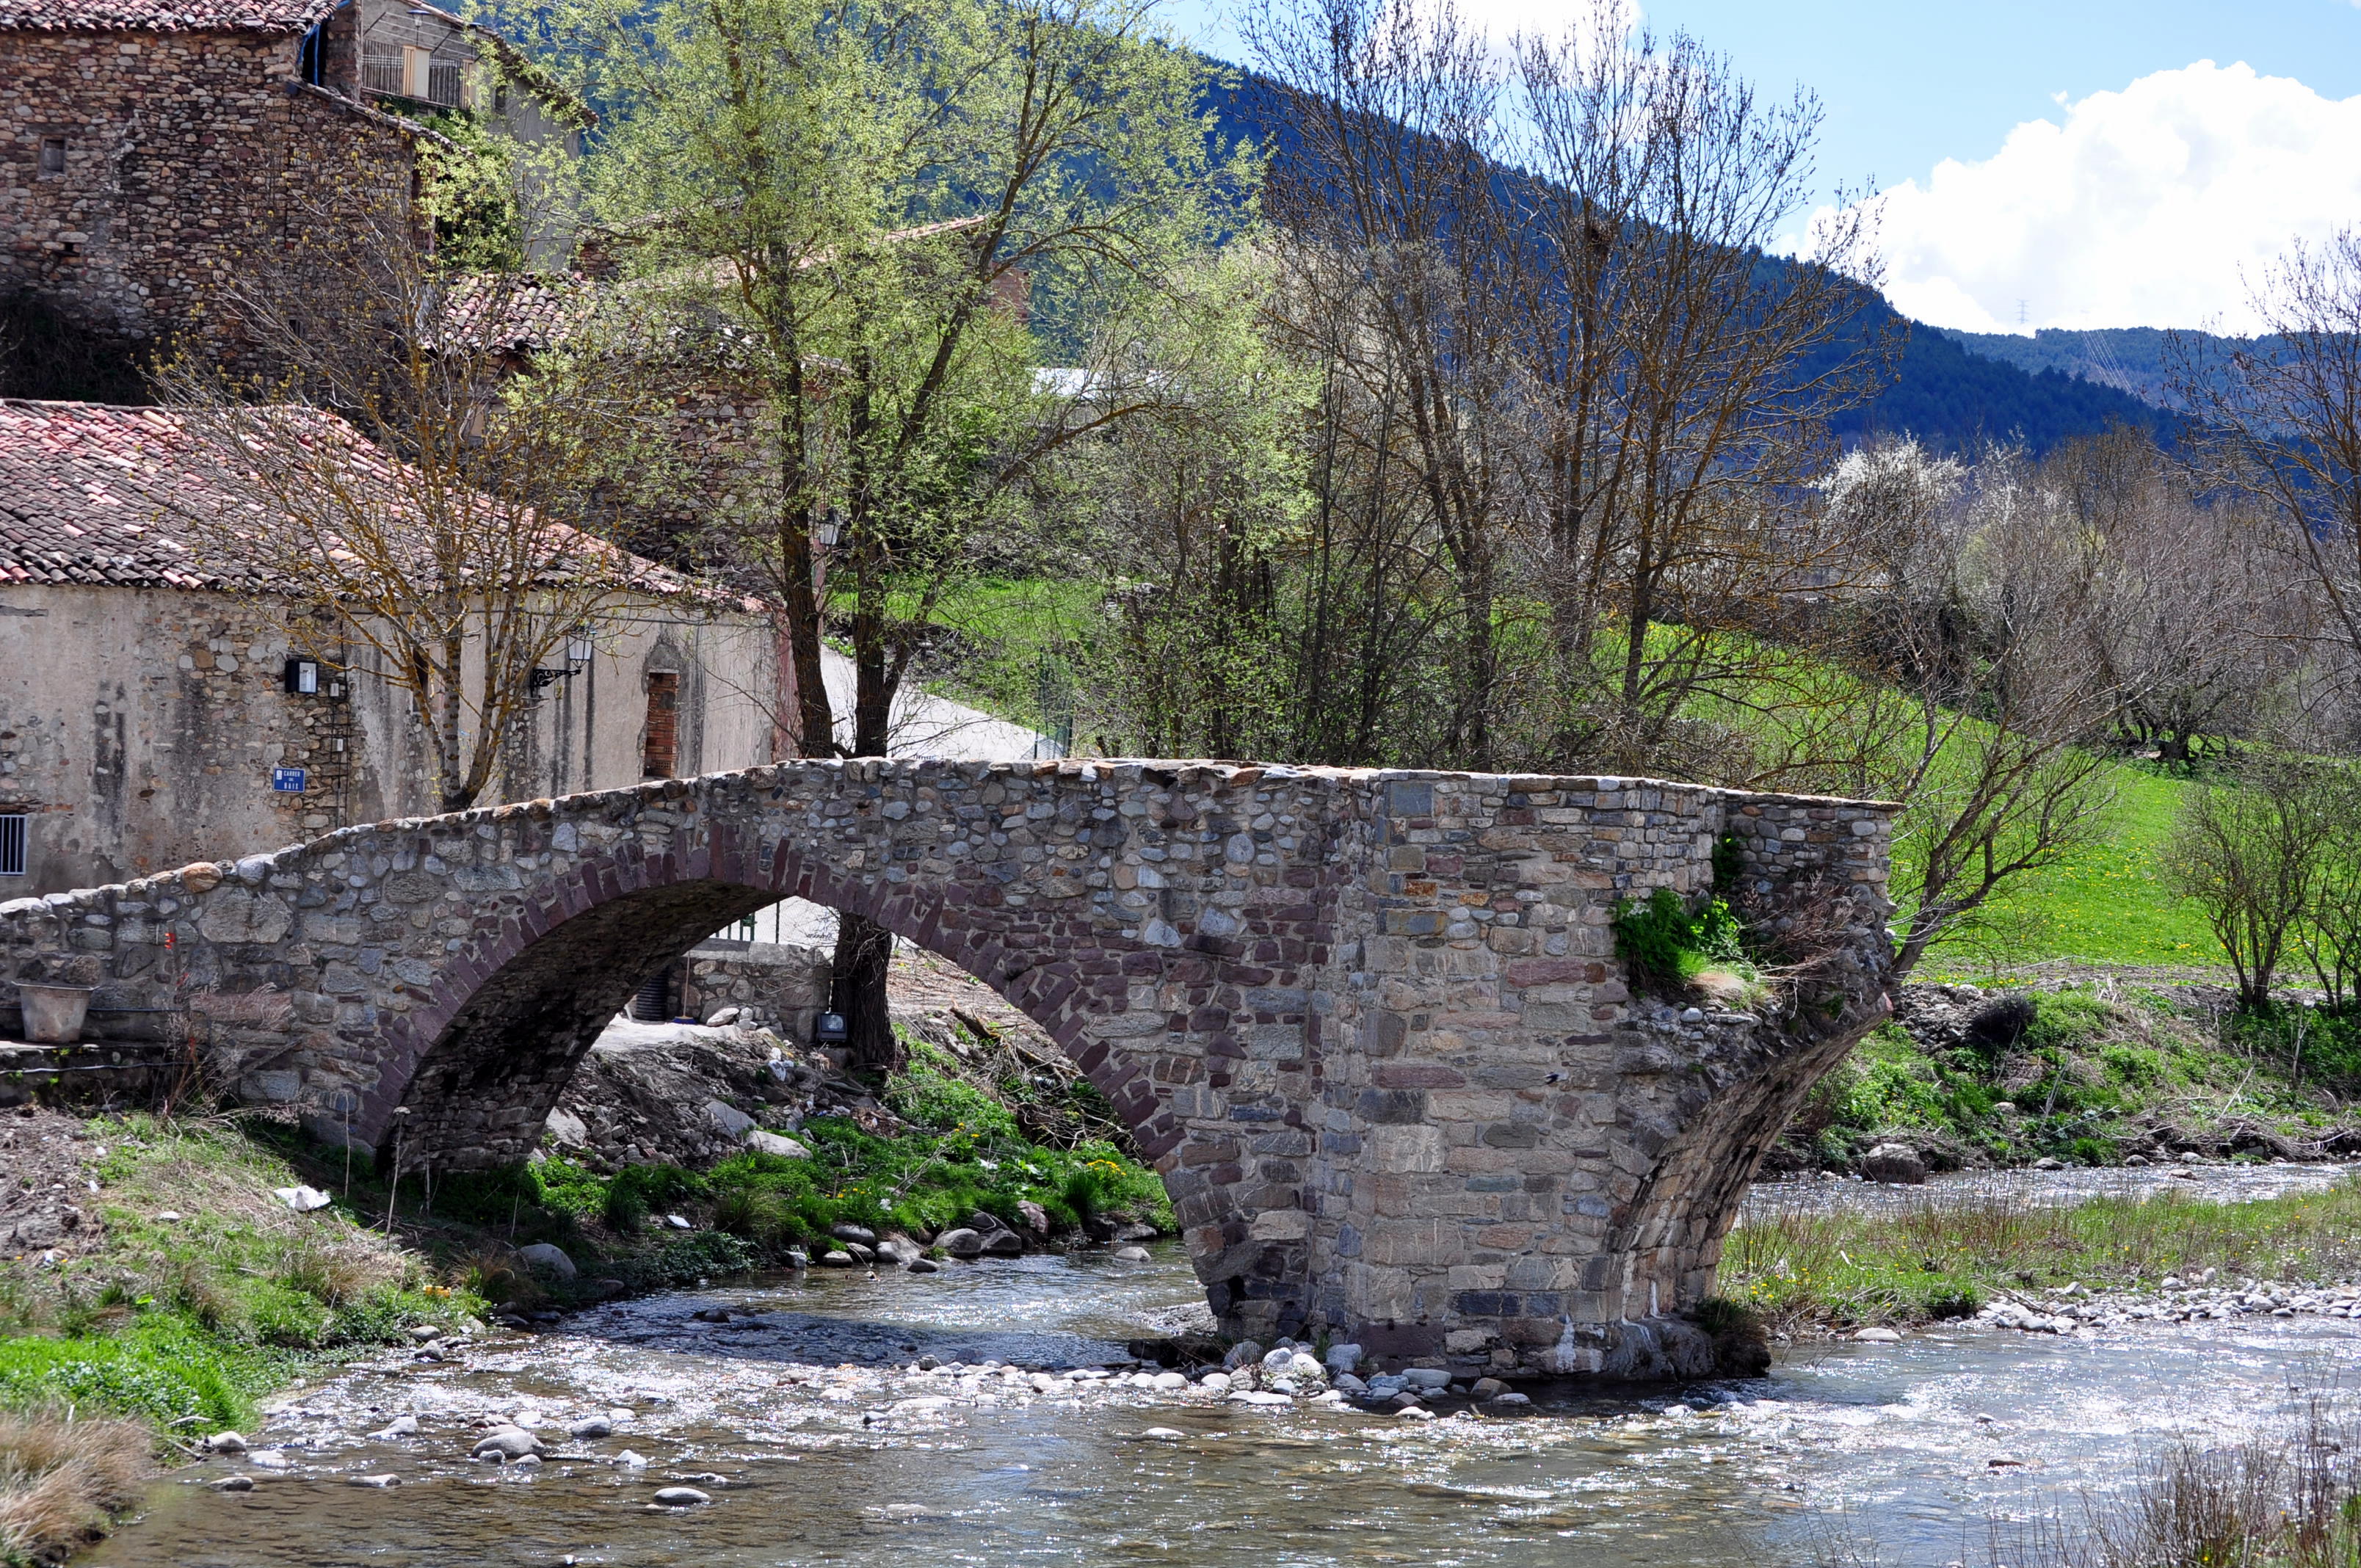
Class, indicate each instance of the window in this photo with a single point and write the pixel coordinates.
(501, 99)
(660, 751)
(53, 157)
(417, 70)
(311, 64)
(12, 844)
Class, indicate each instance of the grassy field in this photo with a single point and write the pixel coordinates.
(2107, 903)
(1944, 1260)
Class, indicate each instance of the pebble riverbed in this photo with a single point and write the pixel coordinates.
(989, 1414)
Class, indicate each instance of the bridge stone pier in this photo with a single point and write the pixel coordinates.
(1368, 1024)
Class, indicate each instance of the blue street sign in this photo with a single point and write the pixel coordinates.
(287, 781)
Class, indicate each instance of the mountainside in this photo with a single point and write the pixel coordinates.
(1953, 391)
(2130, 359)
(1955, 397)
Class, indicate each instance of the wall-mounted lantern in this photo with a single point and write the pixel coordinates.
(828, 530)
(829, 1029)
(302, 676)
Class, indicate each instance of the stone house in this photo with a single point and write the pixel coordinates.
(146, 145)
(152, 715)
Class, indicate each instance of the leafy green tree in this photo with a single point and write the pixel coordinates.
(872, 196)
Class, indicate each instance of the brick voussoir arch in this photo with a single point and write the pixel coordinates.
(1368, 1024)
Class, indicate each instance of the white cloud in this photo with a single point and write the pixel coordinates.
(2140, 210)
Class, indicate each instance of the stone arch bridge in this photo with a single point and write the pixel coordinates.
(1368, 1024)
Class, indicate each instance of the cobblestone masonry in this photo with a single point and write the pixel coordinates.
(1368, 1024)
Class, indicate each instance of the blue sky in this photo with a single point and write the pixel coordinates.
(2096, 173)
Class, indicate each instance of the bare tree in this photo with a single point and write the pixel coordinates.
(2250, 854)
(400, 481)
(1976, 694)
(1680, 386)
(2279, 418)
(1397, 282)
(2197, 607)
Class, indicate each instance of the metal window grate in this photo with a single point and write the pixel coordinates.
(443, 83)
(12, 844)
(382, 73)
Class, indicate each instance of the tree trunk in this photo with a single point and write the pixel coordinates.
(864, 950)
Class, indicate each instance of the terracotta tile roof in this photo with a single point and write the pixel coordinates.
(97, 494)
(87, 494)
(163, 16)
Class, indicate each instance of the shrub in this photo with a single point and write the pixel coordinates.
(2001, 1023)
(1666, 946)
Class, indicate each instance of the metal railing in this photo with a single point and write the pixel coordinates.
(384, 74)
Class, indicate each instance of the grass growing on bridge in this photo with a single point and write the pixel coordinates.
(1944, 1259)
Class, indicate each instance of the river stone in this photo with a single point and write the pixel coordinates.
(898, 1247)
(1486, 1388)
(961, 1243)
(631, 1461)
(507, 1442)
(268, 1458)
(1894, 1162)
(925, 1265)
(1344, 1357)
(377, 1481)
(226, 1442)
(1877, 1336)
(591, 1428)
(1514, 1398)
(542, 1255)
(400, 1426)
(1259, 1400)
(836, 1260)
(777, 1144)
(1131, 1255)
(234, 1483)
(1005, 1243)
(1245, 1352)
(681, 1497)
(1426, 1378)
(1303, 1368)
(848, 1231)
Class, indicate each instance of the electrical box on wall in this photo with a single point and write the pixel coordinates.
(303, 676)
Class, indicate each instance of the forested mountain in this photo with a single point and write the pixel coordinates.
(2130, 359)
(1956, 398)
(1955, 391)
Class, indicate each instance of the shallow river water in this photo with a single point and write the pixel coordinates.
(818, 1443)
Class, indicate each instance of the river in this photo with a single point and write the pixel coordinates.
(805, 1421)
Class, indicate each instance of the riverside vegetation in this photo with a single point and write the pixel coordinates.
(198, 1288)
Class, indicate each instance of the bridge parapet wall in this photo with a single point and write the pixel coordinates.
(1368, 1024)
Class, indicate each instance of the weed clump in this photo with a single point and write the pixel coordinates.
(1666, 949)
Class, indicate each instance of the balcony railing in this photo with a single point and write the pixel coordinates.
(384, 74)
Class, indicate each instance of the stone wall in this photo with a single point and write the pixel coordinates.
(1368, 1026)
(139, 726)
(774, 985)
(178, 149)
